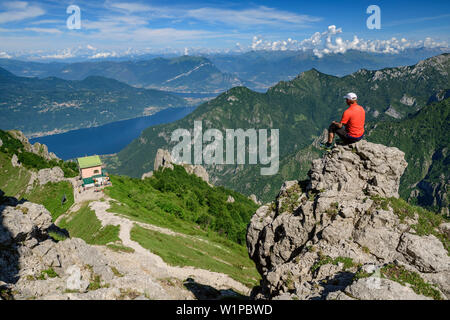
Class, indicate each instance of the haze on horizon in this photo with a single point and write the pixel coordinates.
(112, 28)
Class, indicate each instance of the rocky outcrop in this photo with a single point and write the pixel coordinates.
(164, 160)
(15, 161)
(254, 199)
(230, 199)
(334, 235)
(54, 175)
(33, 266)
(37, 148)
(198, 170)
(147, 175)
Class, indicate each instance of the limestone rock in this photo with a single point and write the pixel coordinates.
(358, 168)
(75, 281)
(23, 222)
(147, 175)
(198, 170)
(37, 148)
(164, 159)
(383, 289)
(426, 253)
(310, 240)
(445, 227)
(254, 199)
(15, 161)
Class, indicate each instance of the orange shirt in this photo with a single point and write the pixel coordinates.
(354, 118)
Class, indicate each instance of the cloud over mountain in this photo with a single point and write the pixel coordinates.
(328, 42)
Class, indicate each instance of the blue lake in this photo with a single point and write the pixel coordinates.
(109, 138)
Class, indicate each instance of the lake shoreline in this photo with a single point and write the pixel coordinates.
(109, 138)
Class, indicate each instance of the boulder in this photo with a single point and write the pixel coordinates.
(381, 289)
(21, 223)
(15, 161)
(426, 253)
(147, 175)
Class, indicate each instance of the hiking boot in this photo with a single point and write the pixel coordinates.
(326, 146)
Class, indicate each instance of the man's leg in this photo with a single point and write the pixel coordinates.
(342, 134)
(331, 131)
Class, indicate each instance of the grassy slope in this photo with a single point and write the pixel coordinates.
(14, 180)
(186, 204)
(50, 196)
(183, 202)
(181, 251)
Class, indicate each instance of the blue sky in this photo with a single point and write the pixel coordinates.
(113, 25)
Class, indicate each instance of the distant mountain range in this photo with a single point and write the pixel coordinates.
(38, 106)
(263, 69)
(215, 73)
(300, 109)
(181, 74)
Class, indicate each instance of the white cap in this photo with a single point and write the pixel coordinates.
(351, 96)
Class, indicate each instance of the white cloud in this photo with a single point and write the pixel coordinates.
(65, 54)
(19, 10)
(251, 17)
(103, 55)
(131, 7)
(328, 42)
(5, 55)
(255, 16)
(45, 30)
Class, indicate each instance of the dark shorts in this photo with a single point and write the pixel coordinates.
(343, 134)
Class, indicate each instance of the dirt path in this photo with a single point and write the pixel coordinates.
(153, 264)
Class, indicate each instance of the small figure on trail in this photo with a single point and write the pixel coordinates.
(353, 119)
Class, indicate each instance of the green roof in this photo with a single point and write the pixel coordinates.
(87, 162)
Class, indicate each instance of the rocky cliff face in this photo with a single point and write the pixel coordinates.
(33, 266)
(163, 160)
(343, 234)
(37, 148)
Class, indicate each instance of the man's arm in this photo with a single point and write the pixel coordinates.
(338, 124)
(344, 120)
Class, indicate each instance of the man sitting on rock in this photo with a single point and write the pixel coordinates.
(353, 119)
